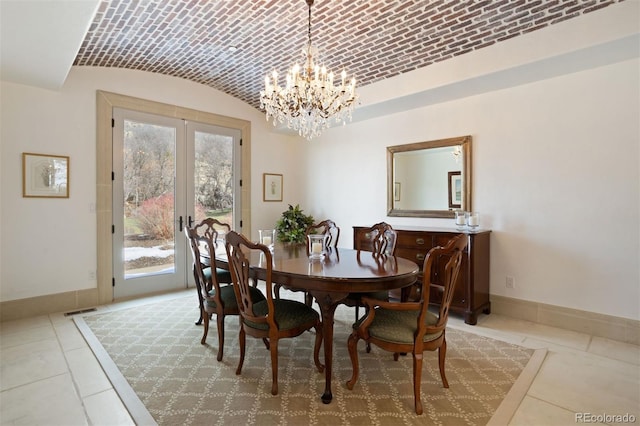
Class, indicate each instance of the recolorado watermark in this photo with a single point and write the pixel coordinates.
(605, 418)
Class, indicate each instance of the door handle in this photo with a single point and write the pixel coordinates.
(180, 221)
(190, 222)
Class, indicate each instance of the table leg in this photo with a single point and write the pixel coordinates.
(328, 303)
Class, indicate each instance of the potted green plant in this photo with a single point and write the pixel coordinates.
(292, 225)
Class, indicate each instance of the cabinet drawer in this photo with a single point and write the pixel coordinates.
(415, 240)
(417, 255)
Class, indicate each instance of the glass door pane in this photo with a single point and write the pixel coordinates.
(149, 199)
(213, 177)
(149, 248)
(215, 167)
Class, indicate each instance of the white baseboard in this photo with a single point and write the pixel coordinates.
(607, 326)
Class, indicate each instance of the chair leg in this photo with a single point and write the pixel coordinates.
(442, 353)
(242, 340)
(316, 349)
(308, 299)
(200, 302)
(352, 345)
(417, 378)
(206, 319)
(368, 347)
(276, 291)
(220, 320)
(274, 366)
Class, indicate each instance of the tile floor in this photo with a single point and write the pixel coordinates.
(49, 375)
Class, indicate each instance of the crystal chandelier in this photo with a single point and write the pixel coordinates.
(310, 99)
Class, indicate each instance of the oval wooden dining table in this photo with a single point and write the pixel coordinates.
(329, 280)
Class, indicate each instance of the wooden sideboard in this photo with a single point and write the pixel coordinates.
(472, 288)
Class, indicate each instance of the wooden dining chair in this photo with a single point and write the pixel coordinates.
(208, 229)
(409, 327)
(380, 239)
(326, 227)
(271, 319)
(332, 231)
(213, 296)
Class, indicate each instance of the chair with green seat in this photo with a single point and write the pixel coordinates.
(213, 296)
(273, 318)
(409, 327)
(380, 240)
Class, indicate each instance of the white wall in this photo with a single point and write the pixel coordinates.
(555, 177)
(49, 245)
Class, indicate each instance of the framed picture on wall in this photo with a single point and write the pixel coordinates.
(455, 190)
(271, 187)
(45, 176)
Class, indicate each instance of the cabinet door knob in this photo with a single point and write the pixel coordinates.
(420, 241)
(420, 256)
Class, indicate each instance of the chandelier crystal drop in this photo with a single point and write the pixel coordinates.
(311, 97)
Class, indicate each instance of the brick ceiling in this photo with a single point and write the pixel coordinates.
(371, 39)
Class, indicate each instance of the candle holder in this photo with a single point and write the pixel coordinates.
(473, 220)
(460, 219)
(316, 245)
(268, 237)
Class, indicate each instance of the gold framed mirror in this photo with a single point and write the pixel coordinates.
(429, 179)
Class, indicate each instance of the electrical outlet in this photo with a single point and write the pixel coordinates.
(92, 275)
(510, 282)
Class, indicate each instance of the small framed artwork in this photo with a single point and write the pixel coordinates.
(45, 176)
(455, 190)
(396, 191)
(271, 187)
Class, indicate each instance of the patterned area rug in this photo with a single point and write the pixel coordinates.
(157, 349)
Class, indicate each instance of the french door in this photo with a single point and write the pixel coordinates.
(167, 173)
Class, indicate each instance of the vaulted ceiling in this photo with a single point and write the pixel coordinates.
(231, 45)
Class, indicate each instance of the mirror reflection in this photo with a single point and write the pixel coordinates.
(429, 179)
